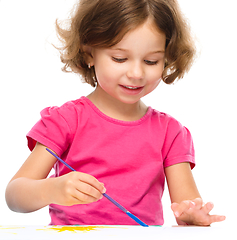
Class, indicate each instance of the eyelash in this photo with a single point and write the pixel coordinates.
(150, 62)
(119, 60)
(122, 60)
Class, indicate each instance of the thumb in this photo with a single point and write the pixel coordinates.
(174, 206)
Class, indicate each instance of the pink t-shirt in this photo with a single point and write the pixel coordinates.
(128, 157)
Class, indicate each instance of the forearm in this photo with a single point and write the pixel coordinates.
(28, 195)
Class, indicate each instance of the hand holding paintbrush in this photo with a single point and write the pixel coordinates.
(77, 188)
(103, 192)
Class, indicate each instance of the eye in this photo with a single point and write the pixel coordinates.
(150, 62)
(119, 60)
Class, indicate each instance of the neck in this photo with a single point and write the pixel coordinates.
(116, 109)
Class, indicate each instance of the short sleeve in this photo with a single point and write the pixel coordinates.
(55, 129)
(178, 146)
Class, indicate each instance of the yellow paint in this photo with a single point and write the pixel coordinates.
(74, 229)
(11, 228)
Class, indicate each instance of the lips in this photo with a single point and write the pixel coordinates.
(131, 87)
(132, 90)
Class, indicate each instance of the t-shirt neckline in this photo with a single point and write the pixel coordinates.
(117, 121)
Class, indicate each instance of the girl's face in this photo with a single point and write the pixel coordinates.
(132, 68)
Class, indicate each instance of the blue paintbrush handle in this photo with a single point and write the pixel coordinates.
(125, 210)
(115, 203)
(136, 219)
(59, 159)
(105, 195)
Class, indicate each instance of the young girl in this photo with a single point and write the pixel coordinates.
(117, 144)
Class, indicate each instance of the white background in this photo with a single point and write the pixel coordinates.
(204, 101)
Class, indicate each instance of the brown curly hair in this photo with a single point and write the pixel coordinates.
(103, 23)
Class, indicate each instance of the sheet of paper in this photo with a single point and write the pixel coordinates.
(110, 232)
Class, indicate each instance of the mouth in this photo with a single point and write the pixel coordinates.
(132, 90)
(131, 87)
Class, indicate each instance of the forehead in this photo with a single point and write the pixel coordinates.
(144, 37)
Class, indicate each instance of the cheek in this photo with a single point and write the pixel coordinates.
(107, 73)
(153, 84)
(105, 77)
(156, 75)
(153, 80)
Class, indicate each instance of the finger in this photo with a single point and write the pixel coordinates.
(82, 198)
(198, 202)
(216, 218)
(174, 207)
(208, 207)
(88, 190)
(179, 209)
(86, 178)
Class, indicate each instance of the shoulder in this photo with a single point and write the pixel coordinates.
(57, 126)
(66, 115)
(177, 140)
(165, 120)
(67, 110)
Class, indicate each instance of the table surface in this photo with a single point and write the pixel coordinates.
(113, 232)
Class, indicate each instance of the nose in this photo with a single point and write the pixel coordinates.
(135, 71)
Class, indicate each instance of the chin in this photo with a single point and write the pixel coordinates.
(129, 100)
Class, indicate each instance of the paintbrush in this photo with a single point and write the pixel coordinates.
(105, 195)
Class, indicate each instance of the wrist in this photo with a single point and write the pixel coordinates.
(47, 194)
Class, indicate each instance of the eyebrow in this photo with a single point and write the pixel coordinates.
(125, 50)
(160, 51)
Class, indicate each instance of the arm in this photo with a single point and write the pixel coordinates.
(30, 189)
(187, 204)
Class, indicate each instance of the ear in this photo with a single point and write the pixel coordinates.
(88, 54)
